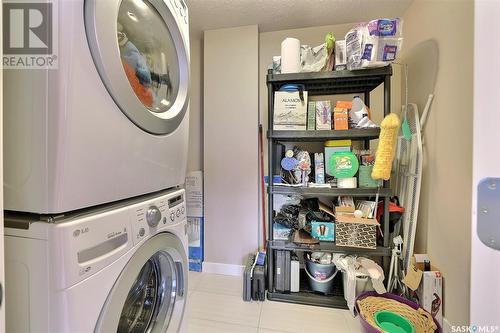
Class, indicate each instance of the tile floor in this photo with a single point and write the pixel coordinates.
(215, 306)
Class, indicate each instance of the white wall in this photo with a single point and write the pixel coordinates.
(445, 204)
(195, 153)
(230, 120)
(485, 263)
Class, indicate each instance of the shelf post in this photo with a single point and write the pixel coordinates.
(387, 107)
(270, 173)
(387, 95)
(387, 111)
(367, 103)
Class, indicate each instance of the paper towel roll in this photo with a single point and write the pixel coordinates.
(290, 55)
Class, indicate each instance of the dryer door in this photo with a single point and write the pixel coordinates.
(140, 48)
(150, 293)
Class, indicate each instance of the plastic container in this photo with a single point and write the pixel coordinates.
(333, 146)
(393, 323)
(321, 286)
(321, 276)
(367, 328)
(365, 177)
(363, 283)
(358, 110)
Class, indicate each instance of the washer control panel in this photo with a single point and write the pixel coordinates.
(158, 213)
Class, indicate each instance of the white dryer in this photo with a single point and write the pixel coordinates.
(117, 269)
(112, 121)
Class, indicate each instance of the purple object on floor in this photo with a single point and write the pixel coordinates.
(367, 328)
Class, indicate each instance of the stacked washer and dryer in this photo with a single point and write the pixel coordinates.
(95, 155)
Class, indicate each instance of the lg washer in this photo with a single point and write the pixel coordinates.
(117, 269)
(110, 122)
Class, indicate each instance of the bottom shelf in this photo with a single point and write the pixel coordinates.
(308, 297)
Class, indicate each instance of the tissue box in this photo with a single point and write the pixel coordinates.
(324, 231)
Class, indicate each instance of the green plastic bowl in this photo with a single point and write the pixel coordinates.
(391, 322)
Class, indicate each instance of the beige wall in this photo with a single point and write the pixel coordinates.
(445, 204)
(230, 124)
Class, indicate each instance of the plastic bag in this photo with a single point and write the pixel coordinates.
(313, 59)
(374, 44)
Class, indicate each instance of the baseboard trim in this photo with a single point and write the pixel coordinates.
(224, 269)
(446, 326)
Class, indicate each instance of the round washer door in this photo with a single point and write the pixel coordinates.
(150, 293)
(142, 58)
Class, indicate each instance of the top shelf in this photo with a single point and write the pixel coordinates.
(334, 82)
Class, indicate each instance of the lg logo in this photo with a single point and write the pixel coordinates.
(27, 28)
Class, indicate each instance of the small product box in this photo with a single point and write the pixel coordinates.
(428, 284)
(341, 115)
(340, 55)
(340, 119)
(323, 115)
(324, 231)
(430, 294)
(319, 168)
(311, 116)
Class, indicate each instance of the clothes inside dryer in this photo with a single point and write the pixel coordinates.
(153, 292)
(149, 59)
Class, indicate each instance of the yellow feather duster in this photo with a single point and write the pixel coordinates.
(386, 147)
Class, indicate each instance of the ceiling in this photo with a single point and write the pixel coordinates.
(272, 15)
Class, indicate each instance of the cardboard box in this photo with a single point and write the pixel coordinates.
(356, 232)
(290, 111)
(195, 220)
(430, 294)
(195, 236)
(428, 285)
(344, 105)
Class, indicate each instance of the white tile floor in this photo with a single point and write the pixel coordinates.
(215, 306)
